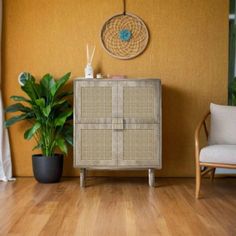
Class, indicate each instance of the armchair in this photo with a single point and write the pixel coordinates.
(220, 151)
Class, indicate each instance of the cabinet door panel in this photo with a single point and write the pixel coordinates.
(95, 101)
(96, 145)
(139, 145)
(139, 101)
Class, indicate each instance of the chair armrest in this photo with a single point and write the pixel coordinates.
(201, 124)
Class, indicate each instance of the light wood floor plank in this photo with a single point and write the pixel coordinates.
(118, 206)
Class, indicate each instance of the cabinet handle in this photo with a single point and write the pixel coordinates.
(117, 120)
(118, 126)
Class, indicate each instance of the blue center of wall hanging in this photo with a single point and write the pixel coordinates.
(125, 34)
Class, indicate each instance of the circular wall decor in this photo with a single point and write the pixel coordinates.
(124, 36)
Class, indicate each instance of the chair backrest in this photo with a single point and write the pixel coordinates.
(223, 124)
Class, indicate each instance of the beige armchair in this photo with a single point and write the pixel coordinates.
(220, 151)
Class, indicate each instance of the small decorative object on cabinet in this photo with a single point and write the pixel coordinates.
(88, 71)
(117, 125)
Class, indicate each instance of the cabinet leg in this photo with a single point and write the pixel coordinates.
(151, 177)
(82, 177)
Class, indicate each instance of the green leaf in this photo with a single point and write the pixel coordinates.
(59, 83)
(64, 94)
(15, 119)
(61, 118)
(59, 102)
(63, 107)
(233, 99)
(46, 111)
(68, 133)
(40, 102)
(20, 99)
(31, 88)
(47, 82)
(61, 144)
(69, 139)
(30, 132)
(17, 107)
(233, 86)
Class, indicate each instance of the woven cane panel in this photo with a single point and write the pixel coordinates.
(96, 102)
(138, 145)
(96, 144)
(138, 102)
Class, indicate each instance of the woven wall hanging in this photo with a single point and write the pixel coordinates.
(124, 36)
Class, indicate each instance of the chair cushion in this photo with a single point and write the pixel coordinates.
(223, 125)
(225, 154)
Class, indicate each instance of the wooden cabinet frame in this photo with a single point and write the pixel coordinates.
(116, 118)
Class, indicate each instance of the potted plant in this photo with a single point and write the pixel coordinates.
(49, 112)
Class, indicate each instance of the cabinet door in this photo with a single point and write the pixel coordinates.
(139, 146)
(139, 101)
(95, 145)
(95, 101)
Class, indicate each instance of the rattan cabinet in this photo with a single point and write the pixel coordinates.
(117, 125)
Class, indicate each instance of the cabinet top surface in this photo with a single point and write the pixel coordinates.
(129, 79)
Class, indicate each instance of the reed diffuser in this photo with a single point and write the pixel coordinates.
(89, 69)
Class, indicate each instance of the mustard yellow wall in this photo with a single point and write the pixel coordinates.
(187, 51)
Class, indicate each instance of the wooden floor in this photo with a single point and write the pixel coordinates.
(118, 206)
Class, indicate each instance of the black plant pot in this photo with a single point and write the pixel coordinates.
(47, 169)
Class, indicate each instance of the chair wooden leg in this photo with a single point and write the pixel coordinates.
(198, 180)
(212, 176)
